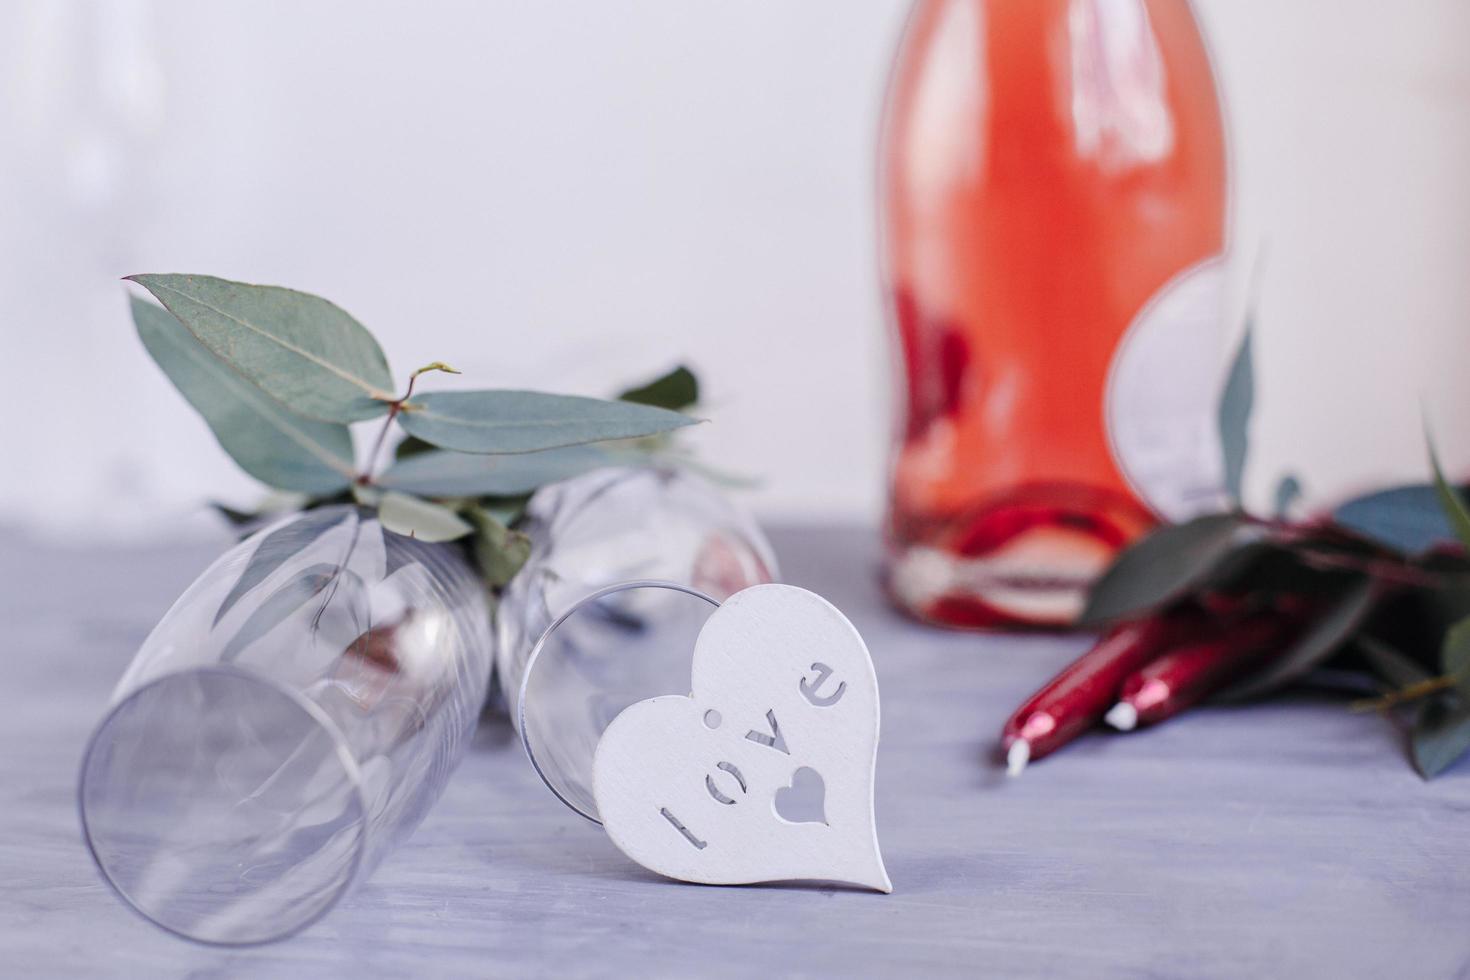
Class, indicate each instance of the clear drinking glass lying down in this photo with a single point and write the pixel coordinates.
(625, 567)
(289, 720)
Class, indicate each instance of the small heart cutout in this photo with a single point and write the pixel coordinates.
(765, 771)
(804, 799)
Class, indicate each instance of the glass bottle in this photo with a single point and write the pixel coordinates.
(1054, 199)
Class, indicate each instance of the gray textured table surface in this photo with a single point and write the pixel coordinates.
(1289, 839)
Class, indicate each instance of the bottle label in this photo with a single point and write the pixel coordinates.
(1162, 392)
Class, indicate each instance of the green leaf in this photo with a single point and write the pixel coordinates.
(1272, 567)
(1407, 518)
(448, 474)
(676, 390)
(235, 517)
(415, 518)
(527, 421)
(1415, 620)
(410, 446)
(1454, 655)
(499, 551)
(276, 548)
(506, 510)
(1168, 563)
(1393, 667)
(1234, 414)
(1441, 734)
(266, 440)
(300, 349)
(1450, 501)
(366, 495)
(1441, 731)
(1323, 638)
(1288, 492)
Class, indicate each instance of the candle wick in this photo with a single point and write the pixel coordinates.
(1122, 716)
(1017, 756)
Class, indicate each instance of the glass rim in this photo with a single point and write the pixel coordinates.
(539, 647)
(315, 714)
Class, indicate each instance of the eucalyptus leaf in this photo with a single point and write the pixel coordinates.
(1416, 620)
(1395, 668)
(233, 516)
(506, 510)
(1168, 563)
(276, 548)
(300, 349)
(676, 390)
(1454, 656)
(1441, 731)
(1236, 402)
(1441, 734)
(440, 473)
(421, 519)
(366, 495)
(1323, 638)
(499, 551)
(1271, 567)
(1408, 518)
(527, 421)
(1447, 560)
(1451, 501)
(266, 440)
(1288, 492)
(280, 605)
(411, 447)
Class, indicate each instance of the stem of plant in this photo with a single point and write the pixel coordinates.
(1384, 571)
(365, 478)
(1411, 693)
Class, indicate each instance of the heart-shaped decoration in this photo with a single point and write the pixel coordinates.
(765, 771)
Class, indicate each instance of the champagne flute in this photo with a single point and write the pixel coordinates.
(287, 723)
(625, 567)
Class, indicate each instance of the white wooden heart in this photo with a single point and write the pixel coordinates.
(765, 771)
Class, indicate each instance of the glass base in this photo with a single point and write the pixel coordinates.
(221, 807)
(1025, 562)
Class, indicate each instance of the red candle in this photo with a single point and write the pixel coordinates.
(1076, 698)
(1167, 685)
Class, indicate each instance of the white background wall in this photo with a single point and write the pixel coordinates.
(571, 195)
